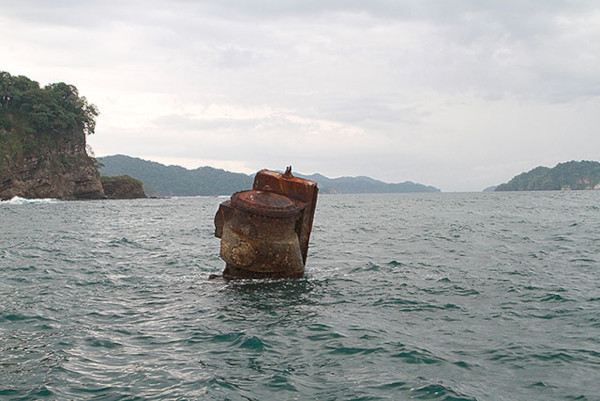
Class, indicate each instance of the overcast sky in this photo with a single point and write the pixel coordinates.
(460, 95)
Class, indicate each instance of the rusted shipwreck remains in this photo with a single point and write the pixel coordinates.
(265, 231)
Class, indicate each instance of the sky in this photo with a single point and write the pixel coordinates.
(460, 95)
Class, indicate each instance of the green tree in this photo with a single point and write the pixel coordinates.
(56, 109)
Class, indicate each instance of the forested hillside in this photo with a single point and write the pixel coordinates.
(570, 175)
(161, 180)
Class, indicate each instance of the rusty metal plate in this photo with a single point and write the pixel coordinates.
(266, 203)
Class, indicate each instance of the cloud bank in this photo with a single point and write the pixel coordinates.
(459, 96)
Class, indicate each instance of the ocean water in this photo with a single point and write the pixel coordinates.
(406, 296)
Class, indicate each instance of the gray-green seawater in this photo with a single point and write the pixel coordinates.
(406, 296)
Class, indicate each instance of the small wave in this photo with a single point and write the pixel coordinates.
(417, 357)
(439, 392)
(369, 267)
(39, 392)
(15, 317)
(584, 260)
(560, 356)
(254, 343)
(324, 336)
(123, 242)
(17, 200)
(539, 384)
(102, 342)
(553, 297)
(395, 385)
(95, 389)
(451, 290)
(280, 382)
(463, 364)
(353, 350)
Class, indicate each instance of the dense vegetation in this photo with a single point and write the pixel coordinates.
(34, 119)
(174, 180)
(571, 175)
(54, 109)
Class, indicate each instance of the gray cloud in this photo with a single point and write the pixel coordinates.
(397, 89)
(189, 123)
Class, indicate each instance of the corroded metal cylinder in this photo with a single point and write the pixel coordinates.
(264, 231)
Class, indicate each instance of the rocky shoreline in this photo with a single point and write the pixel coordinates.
(63, 172)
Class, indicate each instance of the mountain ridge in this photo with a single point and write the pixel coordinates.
(173, 180)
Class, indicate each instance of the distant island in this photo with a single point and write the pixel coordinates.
(573, 175)
(161, 180)
(43, 152)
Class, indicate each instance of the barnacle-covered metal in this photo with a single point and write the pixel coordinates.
(265, 231)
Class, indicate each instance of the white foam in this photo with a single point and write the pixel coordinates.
(17, 200)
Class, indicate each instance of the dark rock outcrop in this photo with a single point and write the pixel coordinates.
(122, 187)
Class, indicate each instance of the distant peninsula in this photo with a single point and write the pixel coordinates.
(573, 175)
(43, 151)
(161, 180)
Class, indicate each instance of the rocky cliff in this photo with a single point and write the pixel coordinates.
(64, 171)
(43, 141)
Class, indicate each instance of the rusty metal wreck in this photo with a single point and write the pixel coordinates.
(265, 231)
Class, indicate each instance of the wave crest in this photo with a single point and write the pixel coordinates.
(17, 200)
